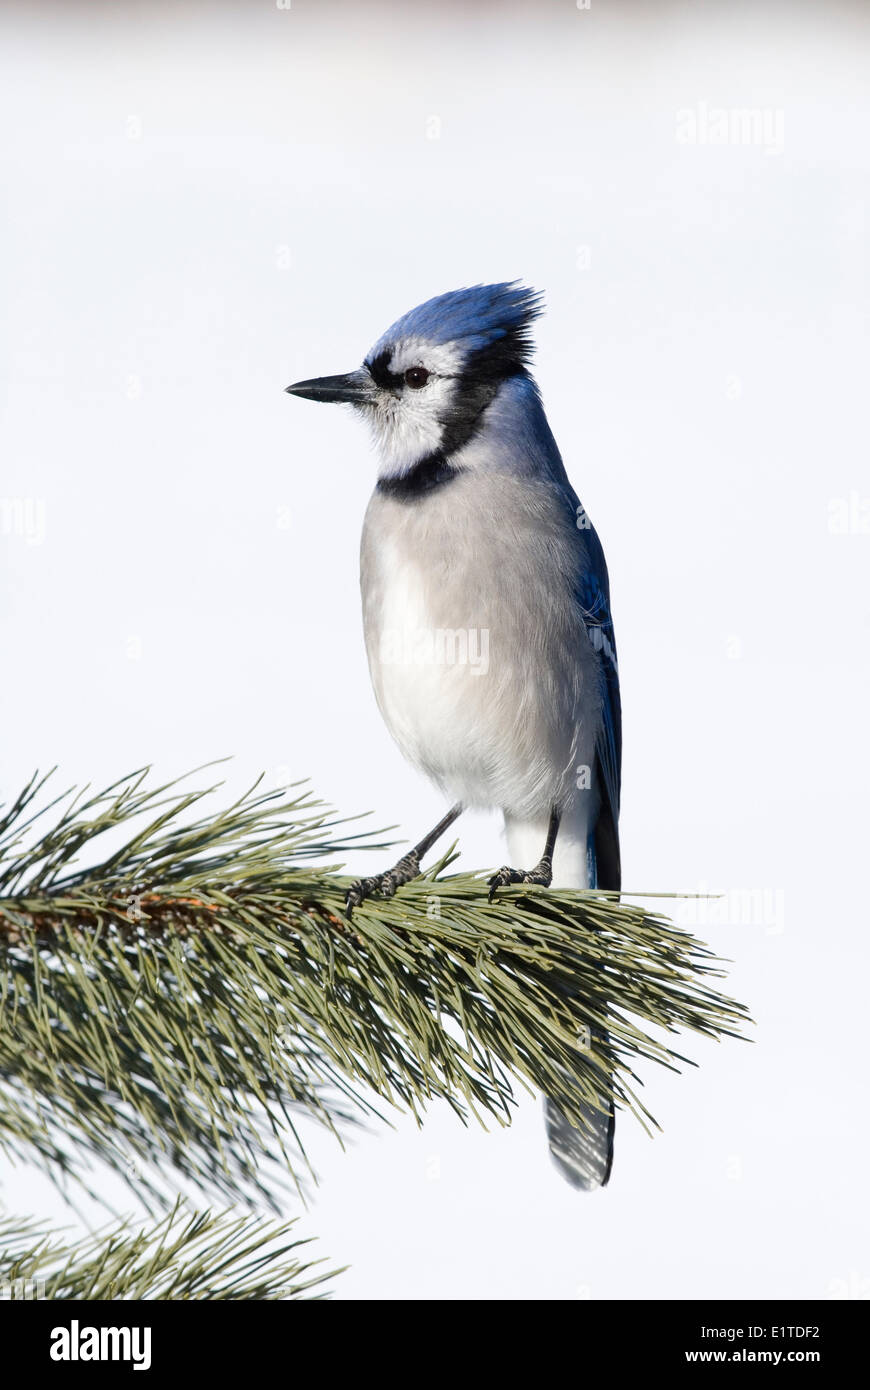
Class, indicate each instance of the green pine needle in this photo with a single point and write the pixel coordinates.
(186, 1255)
(185, 999)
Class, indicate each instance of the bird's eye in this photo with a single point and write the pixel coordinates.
(416, 377)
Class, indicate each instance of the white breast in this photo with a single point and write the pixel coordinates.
(430, 671)
(477, 652)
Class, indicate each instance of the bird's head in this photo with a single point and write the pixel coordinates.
(427, 381)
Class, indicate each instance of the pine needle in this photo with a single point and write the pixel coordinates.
(186, 999)
(186, 1255)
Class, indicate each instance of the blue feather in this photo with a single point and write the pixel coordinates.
(593, 595)
(477, 317)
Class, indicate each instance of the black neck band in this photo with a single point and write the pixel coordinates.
(433, 472)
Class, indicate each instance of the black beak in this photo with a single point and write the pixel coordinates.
(352, 389)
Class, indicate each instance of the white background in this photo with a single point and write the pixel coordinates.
(203, 204)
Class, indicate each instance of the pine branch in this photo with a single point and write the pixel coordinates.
(191, 993)
(198, 1255)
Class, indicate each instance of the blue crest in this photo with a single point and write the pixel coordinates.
(480, 318)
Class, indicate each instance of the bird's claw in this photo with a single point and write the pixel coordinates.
(542, 875)
(384, 884)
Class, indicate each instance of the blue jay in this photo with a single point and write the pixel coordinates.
(487, 616)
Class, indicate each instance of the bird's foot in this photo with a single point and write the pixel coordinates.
(542, 875)
(385, 884)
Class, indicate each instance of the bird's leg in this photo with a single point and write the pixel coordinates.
(542, 875)
(407, 868)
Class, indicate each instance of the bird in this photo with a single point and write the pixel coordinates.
(487, 618)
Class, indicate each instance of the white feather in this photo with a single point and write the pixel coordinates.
(409, 425)
(520, 733)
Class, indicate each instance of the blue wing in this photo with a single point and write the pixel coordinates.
(593, 595)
